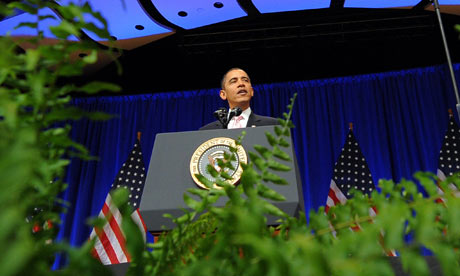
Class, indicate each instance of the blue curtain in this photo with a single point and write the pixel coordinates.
(399, 121)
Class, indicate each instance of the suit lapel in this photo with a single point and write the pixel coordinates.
(252, 120)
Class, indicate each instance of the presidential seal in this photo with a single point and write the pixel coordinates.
(209, 152)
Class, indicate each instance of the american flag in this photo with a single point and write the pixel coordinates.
(350, 171)
(110, 242)
(448, 162)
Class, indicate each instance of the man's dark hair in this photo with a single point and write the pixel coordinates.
(222, 82)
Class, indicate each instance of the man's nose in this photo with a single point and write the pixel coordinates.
(241, 83)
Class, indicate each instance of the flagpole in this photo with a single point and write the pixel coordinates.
(446, 48)
(139, 134)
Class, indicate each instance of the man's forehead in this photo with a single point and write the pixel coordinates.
(237, 73)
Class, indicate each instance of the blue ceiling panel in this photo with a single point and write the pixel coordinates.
(267, 6)
(124, 22)
(449, 2)
(7, 25)
(380, 3)
(190, 14)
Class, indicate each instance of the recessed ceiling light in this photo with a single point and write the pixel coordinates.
(182, 14)
(218, 5)
(139, 27)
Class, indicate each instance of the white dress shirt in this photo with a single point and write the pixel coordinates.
(243, 121)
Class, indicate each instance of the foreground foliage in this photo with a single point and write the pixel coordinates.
(35, 149)
(35, 145)
(234, 240)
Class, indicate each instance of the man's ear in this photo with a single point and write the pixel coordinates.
(223, 95)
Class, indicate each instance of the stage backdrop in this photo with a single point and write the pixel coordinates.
(399, 121)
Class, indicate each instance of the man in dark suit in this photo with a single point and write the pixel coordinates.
(237, 91)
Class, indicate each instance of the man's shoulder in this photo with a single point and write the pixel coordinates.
(260, 120)
(212, 125)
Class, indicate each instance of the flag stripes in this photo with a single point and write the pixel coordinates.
(110, 242)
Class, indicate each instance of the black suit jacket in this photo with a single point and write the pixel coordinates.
(254, 120)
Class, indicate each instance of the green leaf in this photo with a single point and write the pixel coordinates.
(226, 175)
(97, 86)
(271, 177)
(44, 17)
(248, 179)
(134, 239)
(98, 116)
(278, 166)
(282, 122)
(266, 192)
(24, 7)
(198, 192)
(120, 197)
(271, 139)
(204, 181)
(273, 210)
(32, 25)
(212, 171)
(278, 131)
(259, 162)
(281, 154)
(32, 58)
(102, 33)
(92, 58)
(426, 180)
(413, 263)
(263, 151)
(191, 202)
(64, 30)
(283, 142)
(287, 131)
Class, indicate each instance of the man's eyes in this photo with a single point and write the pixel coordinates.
(234, 80)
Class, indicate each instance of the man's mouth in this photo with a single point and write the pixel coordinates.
(242, 92)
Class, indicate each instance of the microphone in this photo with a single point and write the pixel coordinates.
(234, 112)
(221, 116)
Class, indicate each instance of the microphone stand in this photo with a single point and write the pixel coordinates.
(446, 48)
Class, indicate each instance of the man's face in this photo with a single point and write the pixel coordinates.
(237, 89)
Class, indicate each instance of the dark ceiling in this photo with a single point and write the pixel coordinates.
(287, 46)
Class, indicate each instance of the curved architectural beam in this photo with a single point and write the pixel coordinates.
(197, 13)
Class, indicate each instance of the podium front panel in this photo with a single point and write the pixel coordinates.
(169, 177)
